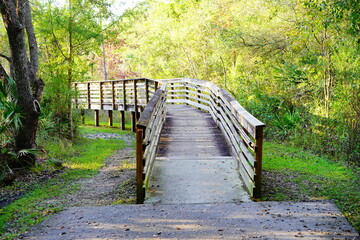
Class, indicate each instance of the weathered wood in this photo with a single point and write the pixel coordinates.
(101, 95)
(124, 94)
(151, 122)
(122, 120)
(110, 118)
(113, 95)
(96, 117)
(258, 163)
(242, 131)
(133, 121)
(88, 96)
(136, 112)
(147, 90)
(140, 191)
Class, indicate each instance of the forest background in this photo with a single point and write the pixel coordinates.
(293, 64)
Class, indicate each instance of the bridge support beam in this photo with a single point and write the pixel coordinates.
(96, 117)
(133, 121)
(110, 118)
(122, 120)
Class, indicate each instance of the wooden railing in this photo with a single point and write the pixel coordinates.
(148, 131)
(242, 131)
(123, 95)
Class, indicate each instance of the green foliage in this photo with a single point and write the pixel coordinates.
(291, 63)
(10, 118)
(67, 34)
(82, 159)
(317, 177)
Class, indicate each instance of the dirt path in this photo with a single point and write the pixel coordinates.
(115, 182)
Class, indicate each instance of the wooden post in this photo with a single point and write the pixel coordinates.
(135, 104)
(140, 191)
(258, 162)
(110, 118)
(124, 95)
(82, 114)
(147, 90)
(122, 116)
(88, 96)
(172, 88)
(113, 95)
(101, 96)
(133, 121)
(96, 117)
(198, 96)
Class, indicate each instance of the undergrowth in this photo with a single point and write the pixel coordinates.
(81, 159)
(316, 177)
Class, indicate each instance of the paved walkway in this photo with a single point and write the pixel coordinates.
(267, 220)
(197, 195)
(193, 163)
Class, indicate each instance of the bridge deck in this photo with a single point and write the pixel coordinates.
(193, 163)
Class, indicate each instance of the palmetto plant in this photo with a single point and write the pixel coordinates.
(10, 115)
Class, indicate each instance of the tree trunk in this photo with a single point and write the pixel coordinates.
(17, 16)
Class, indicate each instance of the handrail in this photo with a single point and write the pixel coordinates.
(148, 131)
(242, 131)
(123, 94)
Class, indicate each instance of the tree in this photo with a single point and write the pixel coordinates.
(18, 23)
(68, 34)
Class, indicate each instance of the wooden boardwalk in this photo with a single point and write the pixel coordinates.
(208, 135)
(193, 163)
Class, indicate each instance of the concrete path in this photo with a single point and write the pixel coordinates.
(198, 195)
(267, 220)
(193, 163)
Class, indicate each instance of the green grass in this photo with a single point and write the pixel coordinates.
(317, 177)
(107, 129)
(82, 159)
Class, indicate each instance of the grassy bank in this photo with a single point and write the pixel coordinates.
(297, 174)
(81, 160)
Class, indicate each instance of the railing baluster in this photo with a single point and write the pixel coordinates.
(88, 96)
(147, 90)
(113, 95)
(124, 94)
(101, 95)
(244, 132)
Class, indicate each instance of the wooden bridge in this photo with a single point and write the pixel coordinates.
(187, 131)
